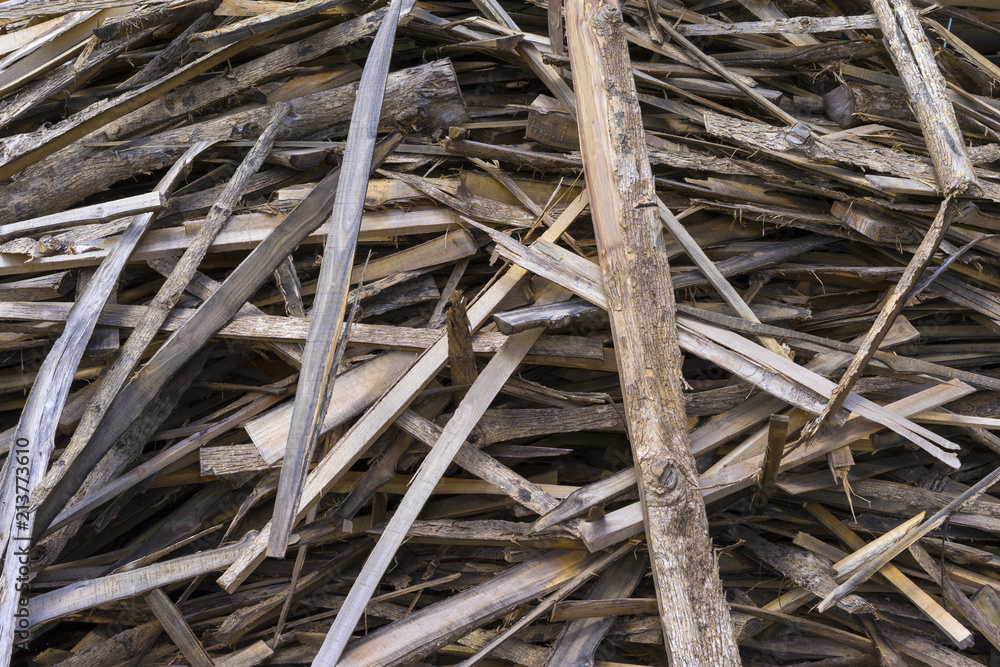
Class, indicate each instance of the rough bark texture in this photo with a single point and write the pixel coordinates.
(640, 297)
(914, 58)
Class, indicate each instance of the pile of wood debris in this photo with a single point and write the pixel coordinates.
(328, 335)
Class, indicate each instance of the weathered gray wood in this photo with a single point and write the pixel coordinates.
(374, 422)
(318, 375)
(34, 438)
(159, 308)
(180, 632)
(435, 625)
(798, 25)
(478, 398)
(185, 342)
(424, 94)
(579, 639)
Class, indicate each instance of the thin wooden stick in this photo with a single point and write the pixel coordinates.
(189, 338)
(374, 422)
(180, 632)
(318, 375)
(144, 203)
(166, 298)
(102, 590)
(894, 304)
(777, 434)
(712, 272)
(923, 529)
(948, 624)
(693, 611)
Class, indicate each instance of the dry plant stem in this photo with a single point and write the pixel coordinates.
(480, 395)
(893, 305)
(35, 432)
(213, 314)
(159, 308)
(316, 380)
(640, 298)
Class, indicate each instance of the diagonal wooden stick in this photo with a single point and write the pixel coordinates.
(34, 438)
(874, 565)
(190, 337)
(159, 308)
(374, 422)
(911, 52)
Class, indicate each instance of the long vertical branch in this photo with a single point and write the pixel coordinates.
(318, 372)
(640, 298)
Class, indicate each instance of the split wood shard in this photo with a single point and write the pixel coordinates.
(318, 375)
(693, 611)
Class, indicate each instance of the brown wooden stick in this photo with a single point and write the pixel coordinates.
(777, 434)
(914, 58)
(934, 611)
(921, 531)
(693, 611)
(894, 304)
(180, 632)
